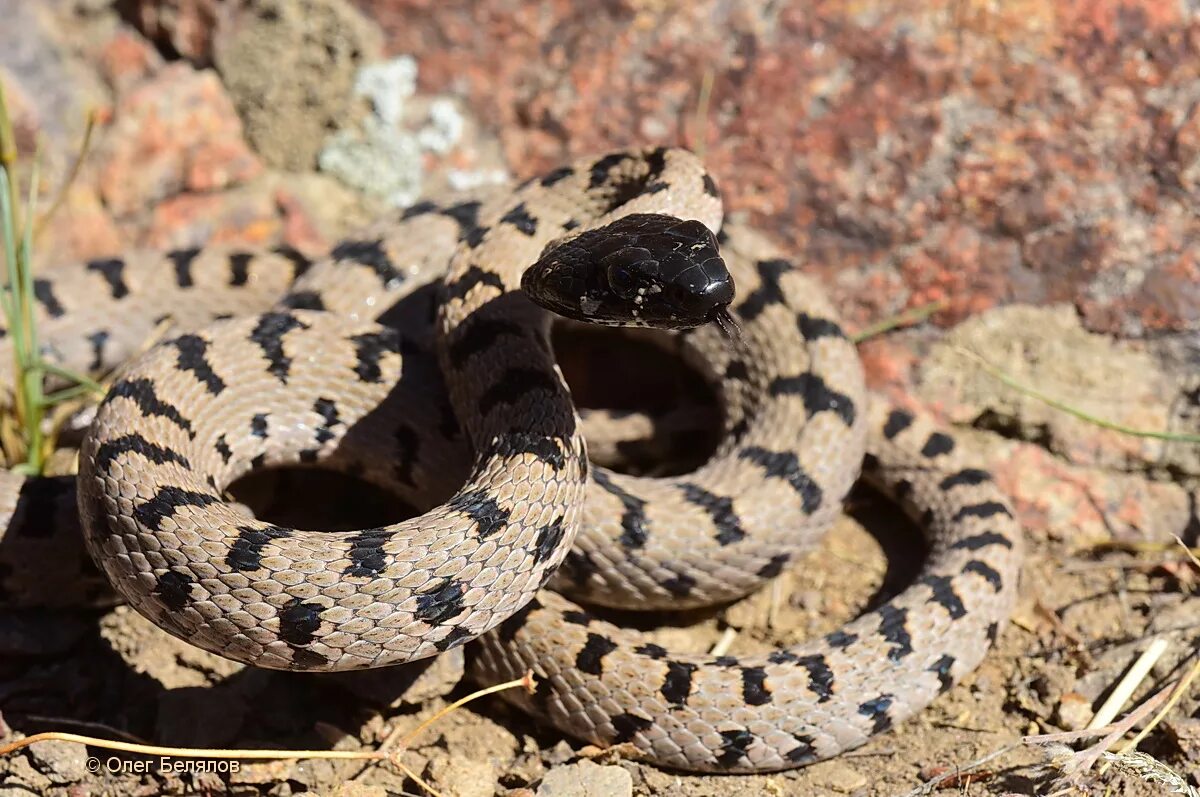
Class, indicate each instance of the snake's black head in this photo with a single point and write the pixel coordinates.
(641, 270)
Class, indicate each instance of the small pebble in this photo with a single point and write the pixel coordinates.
(586, 779)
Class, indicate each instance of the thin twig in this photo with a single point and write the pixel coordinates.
(957, 772)
(1176, 694)
(61, 195)
(1057, 404)
(1125, 687)
(907, 318)
(701, 123)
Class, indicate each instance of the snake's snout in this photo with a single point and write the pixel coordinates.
(643, 269)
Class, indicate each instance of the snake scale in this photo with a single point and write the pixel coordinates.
(459, 397)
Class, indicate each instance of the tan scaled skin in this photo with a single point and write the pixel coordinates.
(336, 390)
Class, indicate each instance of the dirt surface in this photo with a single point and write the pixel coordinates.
(1036, 169)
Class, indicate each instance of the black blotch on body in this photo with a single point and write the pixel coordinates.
(547, 541)
(43, 291)
(634, 531)
(803, 752)
(419, 209)
(239, 268)
(466, 214)
(897, 422)
(734, 745)
(814, 327)
(591, 655)
(719, 509)
(754, 686)
(304, 300)
(942, 588)
(576, 617)
(680, 585)
(457, 636)
(192, 357)
(737, 370)
(173, 589)
(986, 509)
(817, 396)
(370, 253)
(166, 501)
(942, 668)
(710, 187)
(894, 628)
(181, 260)
(981, 540)
(258, 425)
(142, 393)
(367, 557)
(328, 411)
(473, 276)
(876, 711)
(488, 515)
(775, 566)
(768, 292)
(937, 444)
(841, 639)
(677, 684)
(519, 217)
(113, 272)
(299, 621)
(369, 349)
(439, 604)
(820, 676)
(246, 553)
(546, 449)
(477, 335)
(97, 339)
(109, 450)
(627, 726)
(513, 385)
(786, 465)
(556, 176)
(223, 448)
(989, 573)
(967, 477)
(268, 335)
(651, 650)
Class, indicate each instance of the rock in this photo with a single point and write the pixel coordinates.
(127, 59)
(838, 777)
(1074, 711)
(352, 789)
(61, 762)
(586, 779)
(185, 26)
(1048, 350)
(464, 777)
(176, 132)
(50, 89)
(290, 68)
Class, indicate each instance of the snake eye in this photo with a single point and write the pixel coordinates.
(627, 270)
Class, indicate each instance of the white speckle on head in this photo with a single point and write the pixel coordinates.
(588, 305)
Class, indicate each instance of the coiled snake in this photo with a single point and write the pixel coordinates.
(317, 381)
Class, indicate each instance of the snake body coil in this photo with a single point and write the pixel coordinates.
(622, 239)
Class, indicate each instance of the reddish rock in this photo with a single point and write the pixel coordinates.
(247, 215)
(176, 132)
(126, 59)
(984, 153)
(185, 26)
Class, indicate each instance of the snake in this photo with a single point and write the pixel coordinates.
(416, 355)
